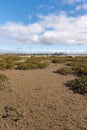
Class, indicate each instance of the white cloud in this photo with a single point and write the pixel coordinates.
(70, 1)
(51, 29)
(82, 7)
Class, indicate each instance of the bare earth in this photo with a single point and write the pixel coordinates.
(39, 100)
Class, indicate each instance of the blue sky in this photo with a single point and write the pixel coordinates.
(43, 26)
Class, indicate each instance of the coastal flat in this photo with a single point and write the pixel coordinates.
(43, 100)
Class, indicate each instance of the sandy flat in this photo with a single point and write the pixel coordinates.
(43, 100)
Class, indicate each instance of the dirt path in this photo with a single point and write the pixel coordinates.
(43, 101)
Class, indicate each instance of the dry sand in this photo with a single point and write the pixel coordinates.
(42, 102)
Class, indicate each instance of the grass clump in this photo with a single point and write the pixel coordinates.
(3, 81)
(43, 65)
(64, 71)
(79, 85)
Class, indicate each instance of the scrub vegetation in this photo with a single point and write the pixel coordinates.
(72, 65)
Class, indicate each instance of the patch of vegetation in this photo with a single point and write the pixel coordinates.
(58, 60)
(7, 65)
(78, 85)
(43, 65)
(31, 65)
(80, 70)
(64, 71)
(2, 65)
(71, 64)
(8, 61)
(23, 63)
(77, 66)
(62, 59)
(36, 62)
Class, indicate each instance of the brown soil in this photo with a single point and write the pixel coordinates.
(39, 100)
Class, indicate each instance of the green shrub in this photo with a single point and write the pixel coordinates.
(76, 61)
(22, 66)
(62, 59)
(80, 70)
(31, 65)
(64, 71)
(6, 65)
(43, 65)
(58, 60)
(8, 61)
(78, 85)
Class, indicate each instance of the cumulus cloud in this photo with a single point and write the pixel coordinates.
(51, 29)
(82, 7)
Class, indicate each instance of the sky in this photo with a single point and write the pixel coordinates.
(43, 26)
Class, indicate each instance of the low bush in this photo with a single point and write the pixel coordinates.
(78, 85)
(80, 70)
(58, 60)
(31, 65)
(8, 61)
(64, 71)
(63, 59)
(43, 65)
(6, 65)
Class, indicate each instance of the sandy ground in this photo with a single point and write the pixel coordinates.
(39, 100)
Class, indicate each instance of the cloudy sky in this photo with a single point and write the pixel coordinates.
(43, 26)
